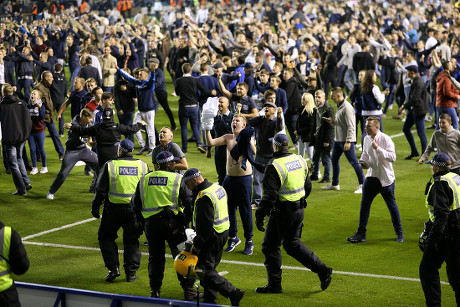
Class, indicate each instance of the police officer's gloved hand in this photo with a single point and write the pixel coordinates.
(140, 228)
(95, 211)
(260, 216)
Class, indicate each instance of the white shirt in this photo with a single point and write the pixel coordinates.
(380, 160)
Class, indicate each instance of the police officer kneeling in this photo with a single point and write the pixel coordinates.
(115, 187)
(285, 186)
(163, 205)
(443, 241)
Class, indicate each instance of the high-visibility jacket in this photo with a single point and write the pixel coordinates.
(218, 197)
(292, 171)
(53, 9)
(124, 175)
(453, 180)
(6, 276)
(159, 190)
(34, 9)
(83, 7)
(129, 4)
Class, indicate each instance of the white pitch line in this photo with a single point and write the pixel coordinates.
(58, 228)
(246, 263)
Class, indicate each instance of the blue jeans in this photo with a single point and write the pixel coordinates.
(73, 75)
(126, 119)
(55, 138)
(239, 190)
(371, 188)
(337, 151)
(390, 99)
(257, 179)
(108, 89)
(16, 164)
(419, 122)
(189, 114)
(350, 79)
(453, 114)
(37, 142)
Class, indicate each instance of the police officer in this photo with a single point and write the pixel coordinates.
(107, 134)
(115, 187)
(443, 242)
(163, 206)
(285, 186)
(13, 260)
(211, 223)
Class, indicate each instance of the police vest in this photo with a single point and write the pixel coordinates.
(6, 277)
(292, 171)
(124, 176)
(218, 197)
(453, 180)
(158, 190)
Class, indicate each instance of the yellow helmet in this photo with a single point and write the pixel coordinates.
(185, 264)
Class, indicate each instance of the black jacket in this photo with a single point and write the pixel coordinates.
(124, 99)
(19, 264)
(326, 131)
(58, 89)
(363, 61)
(304, 124)
(15, 119)
(9, 73)
(418, 97)
(89, 71)
(291, 87)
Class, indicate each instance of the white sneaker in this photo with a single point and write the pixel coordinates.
(331, 187)
(359, 190)
(34, 171)
(50, 196)
(44, 170)
(319, 175)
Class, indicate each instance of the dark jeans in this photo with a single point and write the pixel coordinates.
(390, 99)
(257, 182)
(25, 84)
(419, 122)
(71, 157)
(189, 114)
(163, 100)
(126, 119)
(220, 159)
(290, 121)
(337, 151)
(60, 121)
(239, 190)
(371, 188)
(323, 154)
(73, 75)
(55, 138)
(16, 164)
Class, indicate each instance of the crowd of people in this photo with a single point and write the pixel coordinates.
(244, 72)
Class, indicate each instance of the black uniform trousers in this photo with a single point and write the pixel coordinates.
(446, 249)
(115, 216)
(285, 227)
(157, 231)
(208, 259)
(163, 100)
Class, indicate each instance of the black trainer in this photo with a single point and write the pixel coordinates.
(325, 278)
(357, 238)
(268, 289)
(155, 293)
(131, 277)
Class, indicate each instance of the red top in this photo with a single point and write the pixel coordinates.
(92, 105)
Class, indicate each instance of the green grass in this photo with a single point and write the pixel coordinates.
(330, 217)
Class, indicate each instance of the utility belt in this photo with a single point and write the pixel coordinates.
(176, 222)
(25, 78)
(110, 205)
(290, 206)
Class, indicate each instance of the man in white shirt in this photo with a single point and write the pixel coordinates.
(378, 156)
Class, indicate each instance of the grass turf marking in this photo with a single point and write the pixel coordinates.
(58, 228)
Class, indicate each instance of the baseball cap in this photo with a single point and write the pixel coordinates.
(165, 157)
(247, 65)
(440, 159)
(154, 60)
(190, 174)
(413, 68)
(270, 104)
(217, 65)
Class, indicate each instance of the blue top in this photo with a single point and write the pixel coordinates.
(145, 91)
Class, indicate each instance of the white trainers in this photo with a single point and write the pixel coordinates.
(34, 171)
(331, 187)
(44, 170)
(50, 196)
(359, 190)
(319, 175)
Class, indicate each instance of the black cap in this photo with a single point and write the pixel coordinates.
(107, 114)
